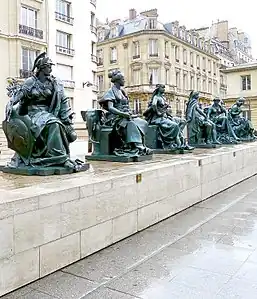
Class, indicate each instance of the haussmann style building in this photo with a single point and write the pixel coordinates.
(149, 52)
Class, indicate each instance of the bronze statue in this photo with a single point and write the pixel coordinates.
(242, 127)
(116, 132)
(201, 130)
(218, 114)
(169, 128)
(38, 124)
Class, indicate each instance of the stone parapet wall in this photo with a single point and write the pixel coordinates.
(50, 225)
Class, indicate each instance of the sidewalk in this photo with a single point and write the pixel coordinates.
(207, 251)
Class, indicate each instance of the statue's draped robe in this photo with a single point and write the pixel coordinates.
(168, 128)
(49, 112)
(130, 130)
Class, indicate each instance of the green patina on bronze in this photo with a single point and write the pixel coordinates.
(116, 134)
(215, 124)
(167, 130)
(39, 124)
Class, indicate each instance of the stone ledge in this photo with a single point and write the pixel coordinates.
(53, 223)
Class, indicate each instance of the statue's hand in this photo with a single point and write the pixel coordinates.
(126, 115)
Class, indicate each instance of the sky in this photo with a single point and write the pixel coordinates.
(191, 13)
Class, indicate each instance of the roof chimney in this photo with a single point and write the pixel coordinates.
(132, 14)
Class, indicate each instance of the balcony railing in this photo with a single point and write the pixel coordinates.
(64, 18)
(224, 86)
(93, 29)
(136, 56)
(93, 2)
(153, 54)
(64, 50)
(149, 88)
(23, 29)
(25, 73)
(68, 84)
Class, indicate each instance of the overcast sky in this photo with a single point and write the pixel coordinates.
(191, 13)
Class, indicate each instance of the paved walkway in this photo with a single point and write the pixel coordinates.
(207, 251)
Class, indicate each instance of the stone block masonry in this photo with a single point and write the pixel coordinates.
(48, 226)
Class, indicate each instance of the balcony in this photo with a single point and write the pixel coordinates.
(68, 84)
(25, 74)
(136, 56)
(153, 55)
(93, 29)
(223, 86)
(93, 2)
(23, 29)
(64, 50)
(63, 18)
(94, 58)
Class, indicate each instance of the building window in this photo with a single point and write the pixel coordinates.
(198, 62)
(178, 79)
(28, 57)
(94, 104)
(185, 56)
(204, 85)
(137, 107)
(177, 53)
(114, 32)
(154, 76)
(192, 82)
(93, 52)
(167, 76)
(246, 82)
(209, 66)
(185, 85)
(136, 77)
(166, 49)
(210, 87)
(71, 102)
(152, 23)
(204, 64)
(215, 89)
(153, 48)
(214, 68)
(198, 84)
(100, 35)
(28, 17)
(136, 50)
(100, 56)
(113, 55)
(191, 59)
(63, 43)
(100, 82)
(65, 73)
(63, 11)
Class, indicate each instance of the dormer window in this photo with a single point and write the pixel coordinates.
(114, 32)
(101, 35)
(152, 23)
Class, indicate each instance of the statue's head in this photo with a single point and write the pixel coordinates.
(240, 101)
(43, 64)
(160, 88)
(117, 77)
(216, 100)
(194, 95)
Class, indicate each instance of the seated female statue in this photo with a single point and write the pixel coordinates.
(128, 127)
(170, 129)
(38, 122)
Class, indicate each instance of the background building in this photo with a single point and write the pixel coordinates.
(24, 34)
(237, 43)
(72, 46)
(149, 52)
(242, 82)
